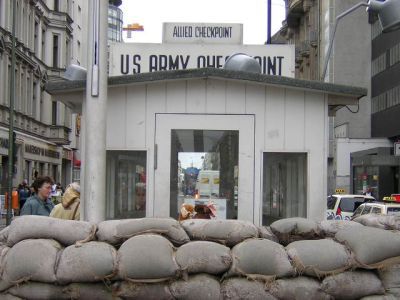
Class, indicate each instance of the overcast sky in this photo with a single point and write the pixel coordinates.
(152, 13)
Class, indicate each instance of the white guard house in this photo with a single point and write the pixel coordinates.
(254, 144)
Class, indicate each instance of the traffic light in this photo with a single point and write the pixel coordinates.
(15, 153)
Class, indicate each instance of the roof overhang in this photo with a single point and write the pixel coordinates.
(72, 93)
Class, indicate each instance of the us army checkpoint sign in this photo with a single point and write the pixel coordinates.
(133, 58)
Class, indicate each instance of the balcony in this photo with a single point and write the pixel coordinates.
(53, 133)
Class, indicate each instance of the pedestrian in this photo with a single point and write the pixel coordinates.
(69, 208)
(23, 193)
(39, 203)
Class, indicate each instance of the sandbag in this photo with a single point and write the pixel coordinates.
(39, 291)
(330, 227)
(3, 251)
(91, 262)
(147, 257)
(319, 257)
(390, 277)
(372, 247)
(294, 229)
(142, 291)
(226, 232)
(379, 297)
(265, 232)
(32, 260)
(260, 257)
(9, 297)
(203, 257)
(199, 287)
(380, 221)
(85, 291)
(4, 235)
(116, 232)
(352, 285)
(243, 289)
(67, 232)
(298, 288)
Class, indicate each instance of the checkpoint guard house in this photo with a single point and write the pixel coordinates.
(254, 144)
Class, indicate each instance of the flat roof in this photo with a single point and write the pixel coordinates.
(65, 86)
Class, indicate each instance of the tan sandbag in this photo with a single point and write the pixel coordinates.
(265, 232)
(330, 227)
(39, 291)
(390, 277)
(147, 258)
(226, 232)
(32, 260)
(319, 257)
(379, 297)
(199, 287)
(91, 262)
(237, 288)
(4, 235)
(86, 291)
(116, 232)
(298, 288)
(142, 291)
(372, 247)
(254, 257)
(9, 297)
(295, 229)
(204, 257)
(67, 232)
(353, 285)
(388, 222)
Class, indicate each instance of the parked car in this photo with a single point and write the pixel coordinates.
(380, 208)
(342, 207)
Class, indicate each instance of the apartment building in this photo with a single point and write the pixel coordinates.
(50, 35)
(309, 25)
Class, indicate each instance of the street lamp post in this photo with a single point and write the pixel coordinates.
(388, 14)
(11, 121)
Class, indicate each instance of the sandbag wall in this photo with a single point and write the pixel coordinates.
(156, 258)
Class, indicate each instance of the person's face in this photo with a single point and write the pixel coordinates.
(141, 197)
(44, 191)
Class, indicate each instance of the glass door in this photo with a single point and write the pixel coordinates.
(203, 159)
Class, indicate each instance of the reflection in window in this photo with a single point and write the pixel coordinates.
(284, 186)
(204, 167)
(126, 184)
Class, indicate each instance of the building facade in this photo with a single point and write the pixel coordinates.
(309, 25)
(49, 36)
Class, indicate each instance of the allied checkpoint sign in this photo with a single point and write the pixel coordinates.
(134, 58)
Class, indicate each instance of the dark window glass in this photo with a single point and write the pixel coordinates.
(350, 204)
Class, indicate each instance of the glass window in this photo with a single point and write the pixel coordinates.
(331, 202)
(357, 212)
(376, 210)
(126, 184)
(204, 167)
(395, 210)
(366, 210)
(350, 204)
(284, 186)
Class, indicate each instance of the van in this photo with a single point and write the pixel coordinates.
(207, 184)
(342, 207)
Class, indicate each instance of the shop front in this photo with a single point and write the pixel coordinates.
(253, 144)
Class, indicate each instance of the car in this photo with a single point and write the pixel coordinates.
(342, 206)
(380, 208)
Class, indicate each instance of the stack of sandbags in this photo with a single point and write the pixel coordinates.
(160, 258)
(388, 222)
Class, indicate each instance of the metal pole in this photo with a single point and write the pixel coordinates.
(269, 6)
(345, 13)
(95, 108)
(11, 121)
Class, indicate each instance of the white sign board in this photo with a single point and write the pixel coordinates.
(129, 59)
(397, 149)
(208, 33)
